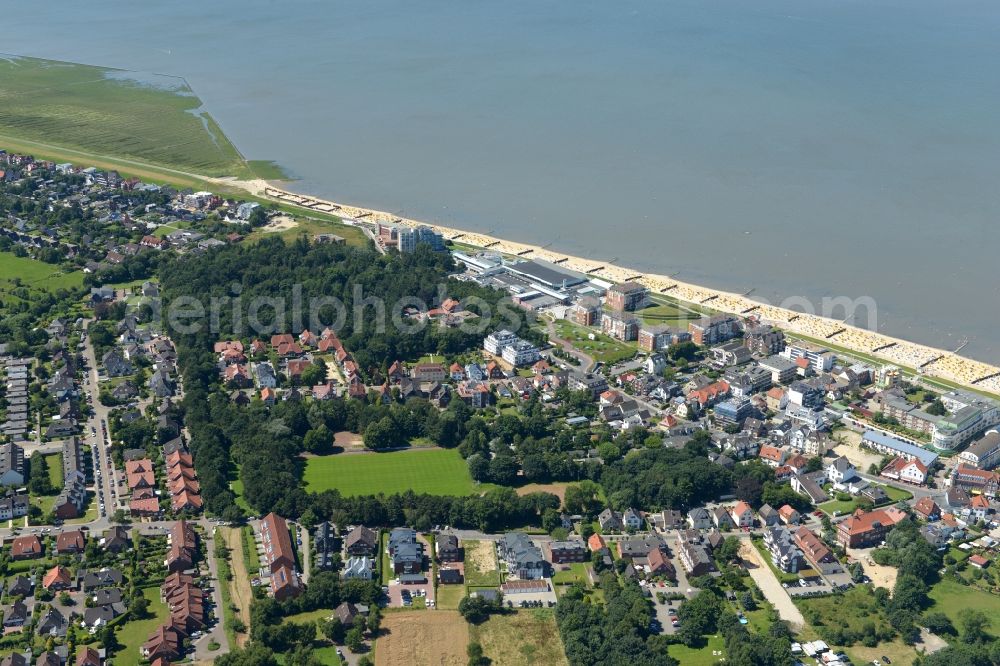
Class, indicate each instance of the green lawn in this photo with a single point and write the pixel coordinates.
(34, 273)
(309, 616)
(897, 494)
(602, 348)
(433, 471)
(852, 610)
(448, 596)
(577, 574)
(951, 597)
(311, 226)
(845, 507)
(54, 462)
(150, 118)
(133, 634)
(712, 653)
(838, 507)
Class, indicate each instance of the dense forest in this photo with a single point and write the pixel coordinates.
(615, 632)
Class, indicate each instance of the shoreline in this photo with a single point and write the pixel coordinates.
(922, 360)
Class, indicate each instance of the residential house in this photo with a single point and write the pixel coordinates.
(16, 616)
(841, 471)
(699, 518)
(57, 578)
(772, 456)
(721, 518)
(610, 521)
(523, 558)
(70, 541)
(27, 547)
(694, 554)
(632, 520)
(781, 545)
(788, 515)
(909, 471)
(768, 516)
(448, 549)
(406, 551)
(360, 567)
(815, 551)
(568, 550)
(11, 465)
(927, 509)
(52, 623)
(361, 541)
(742, 515)
(183, 547)
(806, 485)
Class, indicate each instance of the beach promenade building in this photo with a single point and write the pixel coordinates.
(627, 296)
(820, 359)
(715, 329)
(620, 326)
(984, 453)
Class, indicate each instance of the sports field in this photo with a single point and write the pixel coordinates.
(432, 471)
(150, 118)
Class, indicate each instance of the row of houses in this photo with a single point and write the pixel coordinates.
(186, 601)
(279, 557)
(16, 373)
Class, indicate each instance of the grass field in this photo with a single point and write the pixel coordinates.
(422, 637)
(602, 348)
(577, 573)
(951, 597)
(851, 611)
(433, 471)
(133, 634)
(54, 462)
(36, 274)
(712, 653)
(312, 226)
(448, 597)
(523, 637)
(151, 118)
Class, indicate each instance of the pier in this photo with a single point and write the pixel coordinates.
(524, 252)
(835, 333)
(706, 300)
(986, 378)
(883, 347)
(594, 270)
(750, 309)
(930, 362)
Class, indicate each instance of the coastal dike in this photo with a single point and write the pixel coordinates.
(927, 361)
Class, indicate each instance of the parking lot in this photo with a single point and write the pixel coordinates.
(396, 590)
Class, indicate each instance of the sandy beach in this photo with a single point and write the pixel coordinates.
(930, 362)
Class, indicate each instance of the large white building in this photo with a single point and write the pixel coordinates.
(511, 348)
(820, 359)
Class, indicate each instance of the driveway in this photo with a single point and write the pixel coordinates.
(770, 586)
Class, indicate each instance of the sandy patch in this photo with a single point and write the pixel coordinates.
(429, 638)
(770, 586)
(348, 440)
(278, 224)
(881, 576)
(239, 587)
(557, 489)
(480, 555)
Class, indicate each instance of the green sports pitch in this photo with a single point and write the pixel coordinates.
(431, 471)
